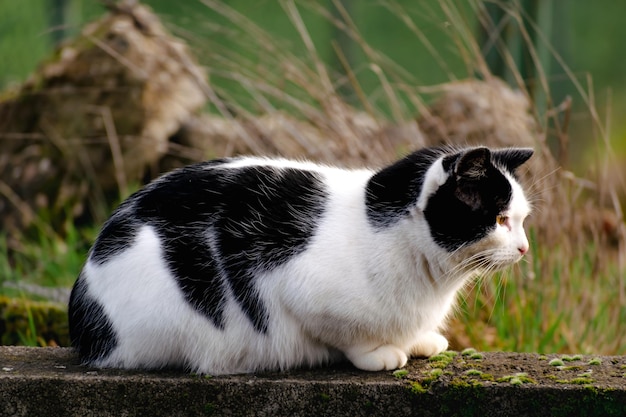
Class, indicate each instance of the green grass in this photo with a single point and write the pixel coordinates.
(550, 303)
(44, 260)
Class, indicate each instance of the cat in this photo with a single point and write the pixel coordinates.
(249, 264)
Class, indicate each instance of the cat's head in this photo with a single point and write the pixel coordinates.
(475, 207)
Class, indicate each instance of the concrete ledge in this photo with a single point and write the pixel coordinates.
(49, 381)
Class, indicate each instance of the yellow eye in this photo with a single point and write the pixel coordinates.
(501, 220)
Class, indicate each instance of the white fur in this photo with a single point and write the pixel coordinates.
(378, 296)
(435, 178)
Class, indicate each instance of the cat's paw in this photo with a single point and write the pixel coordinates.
(429, 344)
(385, 357)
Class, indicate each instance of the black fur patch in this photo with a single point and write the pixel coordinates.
(91, 332)
(182, 206)
(117, 234)
(222, 226)
(393, 190)
(269, 217)
(464, 209)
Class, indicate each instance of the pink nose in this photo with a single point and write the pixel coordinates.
(523, 249)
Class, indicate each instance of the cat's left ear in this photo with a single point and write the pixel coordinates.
(511, 158)
(473, 164)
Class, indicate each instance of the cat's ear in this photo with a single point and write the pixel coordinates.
(512, 158)
(470, 168)
(473, 164)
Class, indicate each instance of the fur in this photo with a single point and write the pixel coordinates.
(248, 264)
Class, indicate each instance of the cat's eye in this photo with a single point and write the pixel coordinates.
(501, 220)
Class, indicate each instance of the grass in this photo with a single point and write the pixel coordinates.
(569, 309)
(45, 260)
(567, 296)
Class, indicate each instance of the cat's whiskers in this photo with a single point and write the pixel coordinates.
(470, 264)
(479, 265)
(538, 186)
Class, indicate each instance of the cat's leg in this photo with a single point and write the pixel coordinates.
(376, 358)
(428, 344)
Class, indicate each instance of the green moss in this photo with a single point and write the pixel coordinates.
(440, 361)
(487, 377)
(575, 381)
(465, 383)
(595, 361)
(517, 379)
(440, 364)
(468, 352)
(417, 388)
(567, 358)
(432, 376)
(477, 356)
(482, 375)
(400, 373)
(473, 372)
(556, 362)
(581, 380)
(438, 358)
(429, 378)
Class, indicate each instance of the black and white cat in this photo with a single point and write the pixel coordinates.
(247, 264)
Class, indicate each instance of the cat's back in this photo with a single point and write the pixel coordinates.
(221, 193)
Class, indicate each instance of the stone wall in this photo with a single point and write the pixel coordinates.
(50, 381)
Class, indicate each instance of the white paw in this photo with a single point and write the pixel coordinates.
(385, 357)
(429, 344)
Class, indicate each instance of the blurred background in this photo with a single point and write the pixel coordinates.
(97, 98)
(586, 37)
